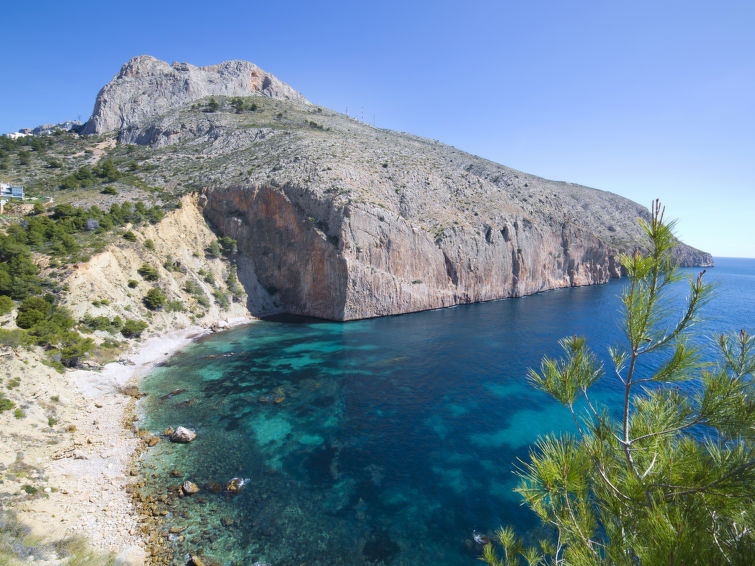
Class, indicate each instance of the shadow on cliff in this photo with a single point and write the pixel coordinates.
(288, 261)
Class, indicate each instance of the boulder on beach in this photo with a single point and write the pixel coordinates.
(183, 435)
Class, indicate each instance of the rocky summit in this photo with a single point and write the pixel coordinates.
(340, 220)
(146, 86)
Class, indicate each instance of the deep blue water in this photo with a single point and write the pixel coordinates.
(392, 438)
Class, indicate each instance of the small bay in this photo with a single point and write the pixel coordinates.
(382, 441)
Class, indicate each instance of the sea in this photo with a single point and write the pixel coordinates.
(387, 441)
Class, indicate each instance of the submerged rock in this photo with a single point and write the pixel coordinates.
(234, 486)
(213, 487)
(189, 488)
(172, 394)
(183, 435)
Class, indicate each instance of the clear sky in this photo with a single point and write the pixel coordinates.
(645, 99)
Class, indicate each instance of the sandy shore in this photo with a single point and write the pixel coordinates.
(82, 463)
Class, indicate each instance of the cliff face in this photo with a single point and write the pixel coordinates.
(355, 263)
(340, 220)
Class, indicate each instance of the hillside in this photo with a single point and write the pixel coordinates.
(340, 220)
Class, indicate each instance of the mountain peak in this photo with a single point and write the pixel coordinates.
(146, 87)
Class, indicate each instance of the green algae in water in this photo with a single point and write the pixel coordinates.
(384, 441)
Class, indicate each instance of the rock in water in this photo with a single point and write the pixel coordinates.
(189, 488)
(183, 435)
(234, 486)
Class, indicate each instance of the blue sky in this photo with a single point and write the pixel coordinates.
(645, 99)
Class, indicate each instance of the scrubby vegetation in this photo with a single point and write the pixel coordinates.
(133, 328)
(64, 236)
(155, 299)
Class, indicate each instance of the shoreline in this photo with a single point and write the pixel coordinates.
(93, 471)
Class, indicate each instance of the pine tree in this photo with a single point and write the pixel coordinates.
(672, 481)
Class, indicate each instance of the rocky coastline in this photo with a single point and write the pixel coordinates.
(93, 476)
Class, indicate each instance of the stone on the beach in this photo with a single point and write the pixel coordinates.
(234, 486)
(183, 435)
(189, 488)
(195, 560)
(168, 431)
(133, 391)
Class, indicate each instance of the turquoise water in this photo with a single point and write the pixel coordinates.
(385, 441)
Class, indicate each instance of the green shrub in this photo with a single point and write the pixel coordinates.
(191, 287)
(12, 338)
(133, 328)
(5, 404)
(19, 413)
(109, 191)
(130, 236)
(227, 245)
(74, 348)
(155, 299)
(175, 306)
(102, 323)
(213, 250)
(148, 272)
(32, 311)
(220, 298)
(6, 304)
(232, 281)
(149, 244)
(212, 106)
(133, 283)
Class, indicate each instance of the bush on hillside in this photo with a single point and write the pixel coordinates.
(133, 328)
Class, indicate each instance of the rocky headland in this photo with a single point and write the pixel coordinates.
(340, 220)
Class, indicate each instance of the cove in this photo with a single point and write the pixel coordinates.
(381, 441)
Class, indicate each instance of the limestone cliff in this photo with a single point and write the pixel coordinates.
(341, 220)
(146, 87)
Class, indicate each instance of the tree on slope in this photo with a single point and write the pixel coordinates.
(672, 480)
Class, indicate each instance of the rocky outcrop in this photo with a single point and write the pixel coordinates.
(146, 87)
